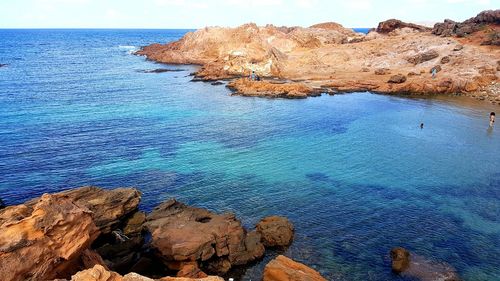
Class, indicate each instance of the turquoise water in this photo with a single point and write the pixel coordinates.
(355, 173)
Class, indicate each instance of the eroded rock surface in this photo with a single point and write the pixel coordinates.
(40, 240)
(328, 55)
(275, 231)
(393, 24)
(108, 206)
(183, 233)
(285, 269)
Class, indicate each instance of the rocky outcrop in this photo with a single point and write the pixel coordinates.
(393, 24)
(40, 240)
(461, 29)
(275, 231)
(397, 79)
(246, 87)
(285, 269)
(108, 207)
(423, 57)
(419, 268)
(182, 234)
(303, 62)
(99, 273)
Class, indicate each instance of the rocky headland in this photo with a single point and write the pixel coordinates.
(394, 58)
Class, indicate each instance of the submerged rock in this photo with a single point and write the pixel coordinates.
(275, 231)
(183, 233)
(3, 64)
(162, 70)
(400, 259)
(285, 269)
(42, 239)
(419, 268)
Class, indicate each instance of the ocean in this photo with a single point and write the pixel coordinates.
(355, 173)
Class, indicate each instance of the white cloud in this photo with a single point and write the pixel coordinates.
(480, 2)
(254, 3)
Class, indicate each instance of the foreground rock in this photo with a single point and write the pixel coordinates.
(285, 269)
(108, 207)
(41, 240)
(419, 268)
(275, 231)
(99, 273)
(332, 58)
(184, 234)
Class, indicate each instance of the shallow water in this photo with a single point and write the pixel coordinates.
(355, 173)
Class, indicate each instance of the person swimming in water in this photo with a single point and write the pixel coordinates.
(421, 125)
(492, 119)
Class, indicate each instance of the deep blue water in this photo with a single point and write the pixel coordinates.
(354, 172)
(364, 30)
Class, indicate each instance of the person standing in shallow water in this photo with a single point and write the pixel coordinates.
(492, 119)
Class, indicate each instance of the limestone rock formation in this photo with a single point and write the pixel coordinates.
(285, 269)
(40, 240)
(303, 62)
(99, 273)
(275, 231)
(182, 233)
(452, 28)
(419, 268)
(108, 206)
(392, 24)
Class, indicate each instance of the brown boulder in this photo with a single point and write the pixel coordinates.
(400, 259)
(423, 57)
(382, 71)
(183, 233)
(392, 24)
(397, 79)
(275, 231)
(108, 207)
(40, 240)
(134, 224)
(285, 269)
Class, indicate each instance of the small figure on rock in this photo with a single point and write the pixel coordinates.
(254, 76)
(434, 72)
(492, 119)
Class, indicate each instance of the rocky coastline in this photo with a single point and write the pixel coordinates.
(90, 233)
(95, 234)
(394, 58)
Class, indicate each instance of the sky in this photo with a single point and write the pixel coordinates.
(198, 13)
